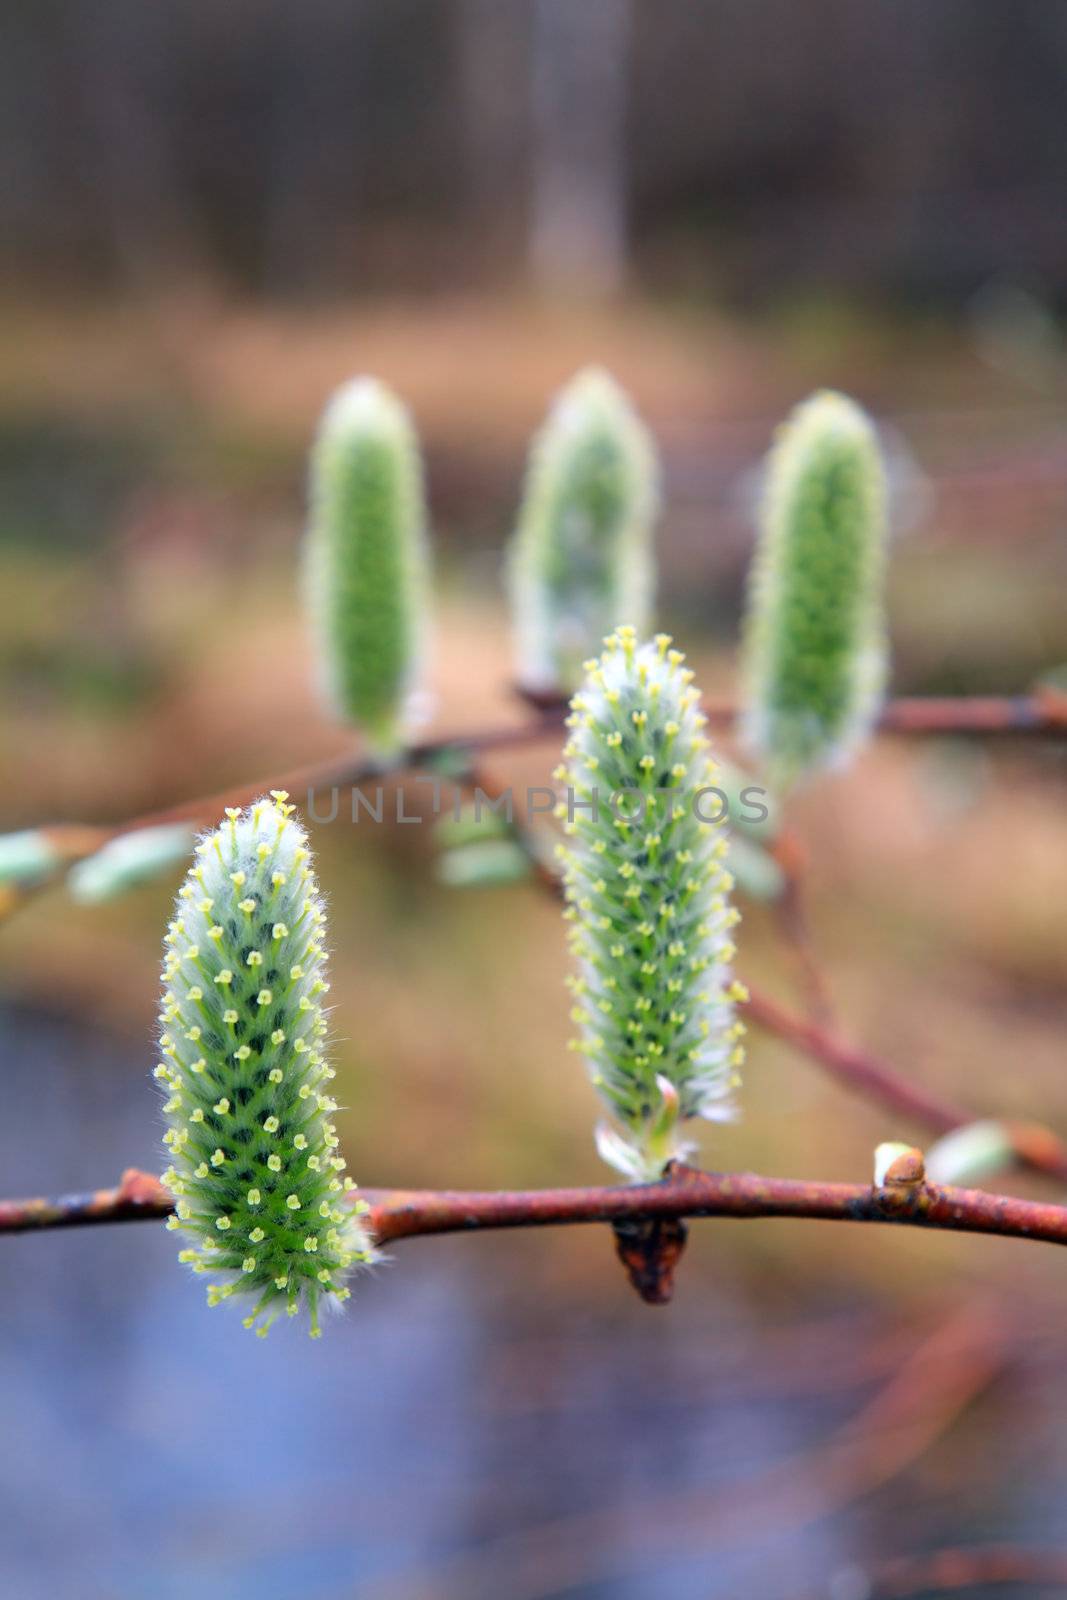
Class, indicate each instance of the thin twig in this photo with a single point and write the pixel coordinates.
(1036, 1147)
(794, 925)
(685, 1192)
(1043, 711)
(348, 770)
(967, 1569)
(857, 1069)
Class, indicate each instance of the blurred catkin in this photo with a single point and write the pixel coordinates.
(259, 1185)
(367, 559)
(815, 658)
(648, 900)
(582, 552)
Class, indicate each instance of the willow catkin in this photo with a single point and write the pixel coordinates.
(648, 899)
(367, 560)
(259, 1184)
(582, 552)
(815, 657)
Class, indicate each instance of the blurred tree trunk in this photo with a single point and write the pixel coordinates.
(493, 50)
(579, 58)
(122, 52)
(312, 200)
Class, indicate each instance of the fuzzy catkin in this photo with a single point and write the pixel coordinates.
(815, 655)
(582, 552)
(648, 900)
(366, 559)
(255, 1169)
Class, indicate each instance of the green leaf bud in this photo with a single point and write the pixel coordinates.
(967, 1154)
(754, 869)
(483, 864)
(128, 860)
(27, 856)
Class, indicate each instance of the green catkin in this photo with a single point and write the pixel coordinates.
(582, 551)
(648, 900)
(367, 560)
(815, 656)
(259, 1185)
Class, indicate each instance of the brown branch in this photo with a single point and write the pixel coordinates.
(140, 1197)
(685, 1192)
(1042, 711)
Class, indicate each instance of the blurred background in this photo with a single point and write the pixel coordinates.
(210, 216)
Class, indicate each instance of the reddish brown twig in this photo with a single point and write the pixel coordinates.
(966, 1569)
(795, 928)
(690, 1193)
(855, 1068)
(1042, 711)
(685, 1192)
(139, 1197)
(1036, 1147)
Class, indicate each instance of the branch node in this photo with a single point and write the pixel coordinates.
(903, 1186)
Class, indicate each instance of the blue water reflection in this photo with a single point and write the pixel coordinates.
(459, 1432)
